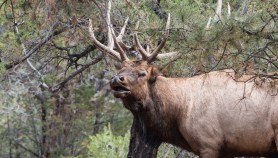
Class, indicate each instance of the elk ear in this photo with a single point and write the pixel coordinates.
(118, 66)
(153, 74)
(166, 69)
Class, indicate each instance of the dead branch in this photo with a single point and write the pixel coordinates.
(71, 76)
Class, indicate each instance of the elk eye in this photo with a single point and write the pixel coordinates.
(142, 74)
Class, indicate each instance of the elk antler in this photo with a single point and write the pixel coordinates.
(100, 46)
(112, 39)
(162, 43)
(121, 51)
(120, 54)
(150, 57)
(142, 51)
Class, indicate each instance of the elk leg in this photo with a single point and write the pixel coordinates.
(275, 155)
(142, 143)
(276, 137)
(209, 153)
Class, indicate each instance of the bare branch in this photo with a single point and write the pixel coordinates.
(73, 59)
(222, 55)
(270, 75)
(62, 83)
(25, 52)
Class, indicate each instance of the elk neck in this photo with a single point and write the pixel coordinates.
(160, 110)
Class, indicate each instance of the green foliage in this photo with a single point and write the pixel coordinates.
(166, 151)
(169, 151)
(2, 68)
(105, 144)
(83, 95)
(229, 42)
(50, 78)
(2, 45)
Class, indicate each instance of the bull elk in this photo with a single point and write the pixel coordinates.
(211, 115)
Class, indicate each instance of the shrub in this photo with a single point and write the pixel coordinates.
(105, 144)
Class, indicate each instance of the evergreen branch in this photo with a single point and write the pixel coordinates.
(3, 3)
(50, 34)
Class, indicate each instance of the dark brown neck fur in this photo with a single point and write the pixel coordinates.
(156, 122)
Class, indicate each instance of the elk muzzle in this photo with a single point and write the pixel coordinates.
(117, 78)
(119, 87)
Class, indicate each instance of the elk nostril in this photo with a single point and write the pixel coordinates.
(122, 78)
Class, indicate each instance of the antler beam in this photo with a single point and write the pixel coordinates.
(143, 52)
(150, 57)
(121, 48)
(112, 39)
(100, 46)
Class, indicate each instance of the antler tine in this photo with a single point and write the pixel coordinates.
(119, 39)
(110, 42)
(169, 55)
(163, 42)
(119, 48)
(112, 39)
(219, 8)
(99, 45)
(138, 45)
(141, 50)
(121, 34)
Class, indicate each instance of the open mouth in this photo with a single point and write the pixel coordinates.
(120, 91)
(120, 88)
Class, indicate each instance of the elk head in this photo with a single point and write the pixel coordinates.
(133, 79)
(135, 76)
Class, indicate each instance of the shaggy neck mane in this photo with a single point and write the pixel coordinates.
(142, 105)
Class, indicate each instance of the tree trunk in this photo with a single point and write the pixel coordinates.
(44, 145)
(158, 10)
(100, 84)
(142, 143)
(57, 124)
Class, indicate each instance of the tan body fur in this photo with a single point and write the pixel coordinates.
(218, 116)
